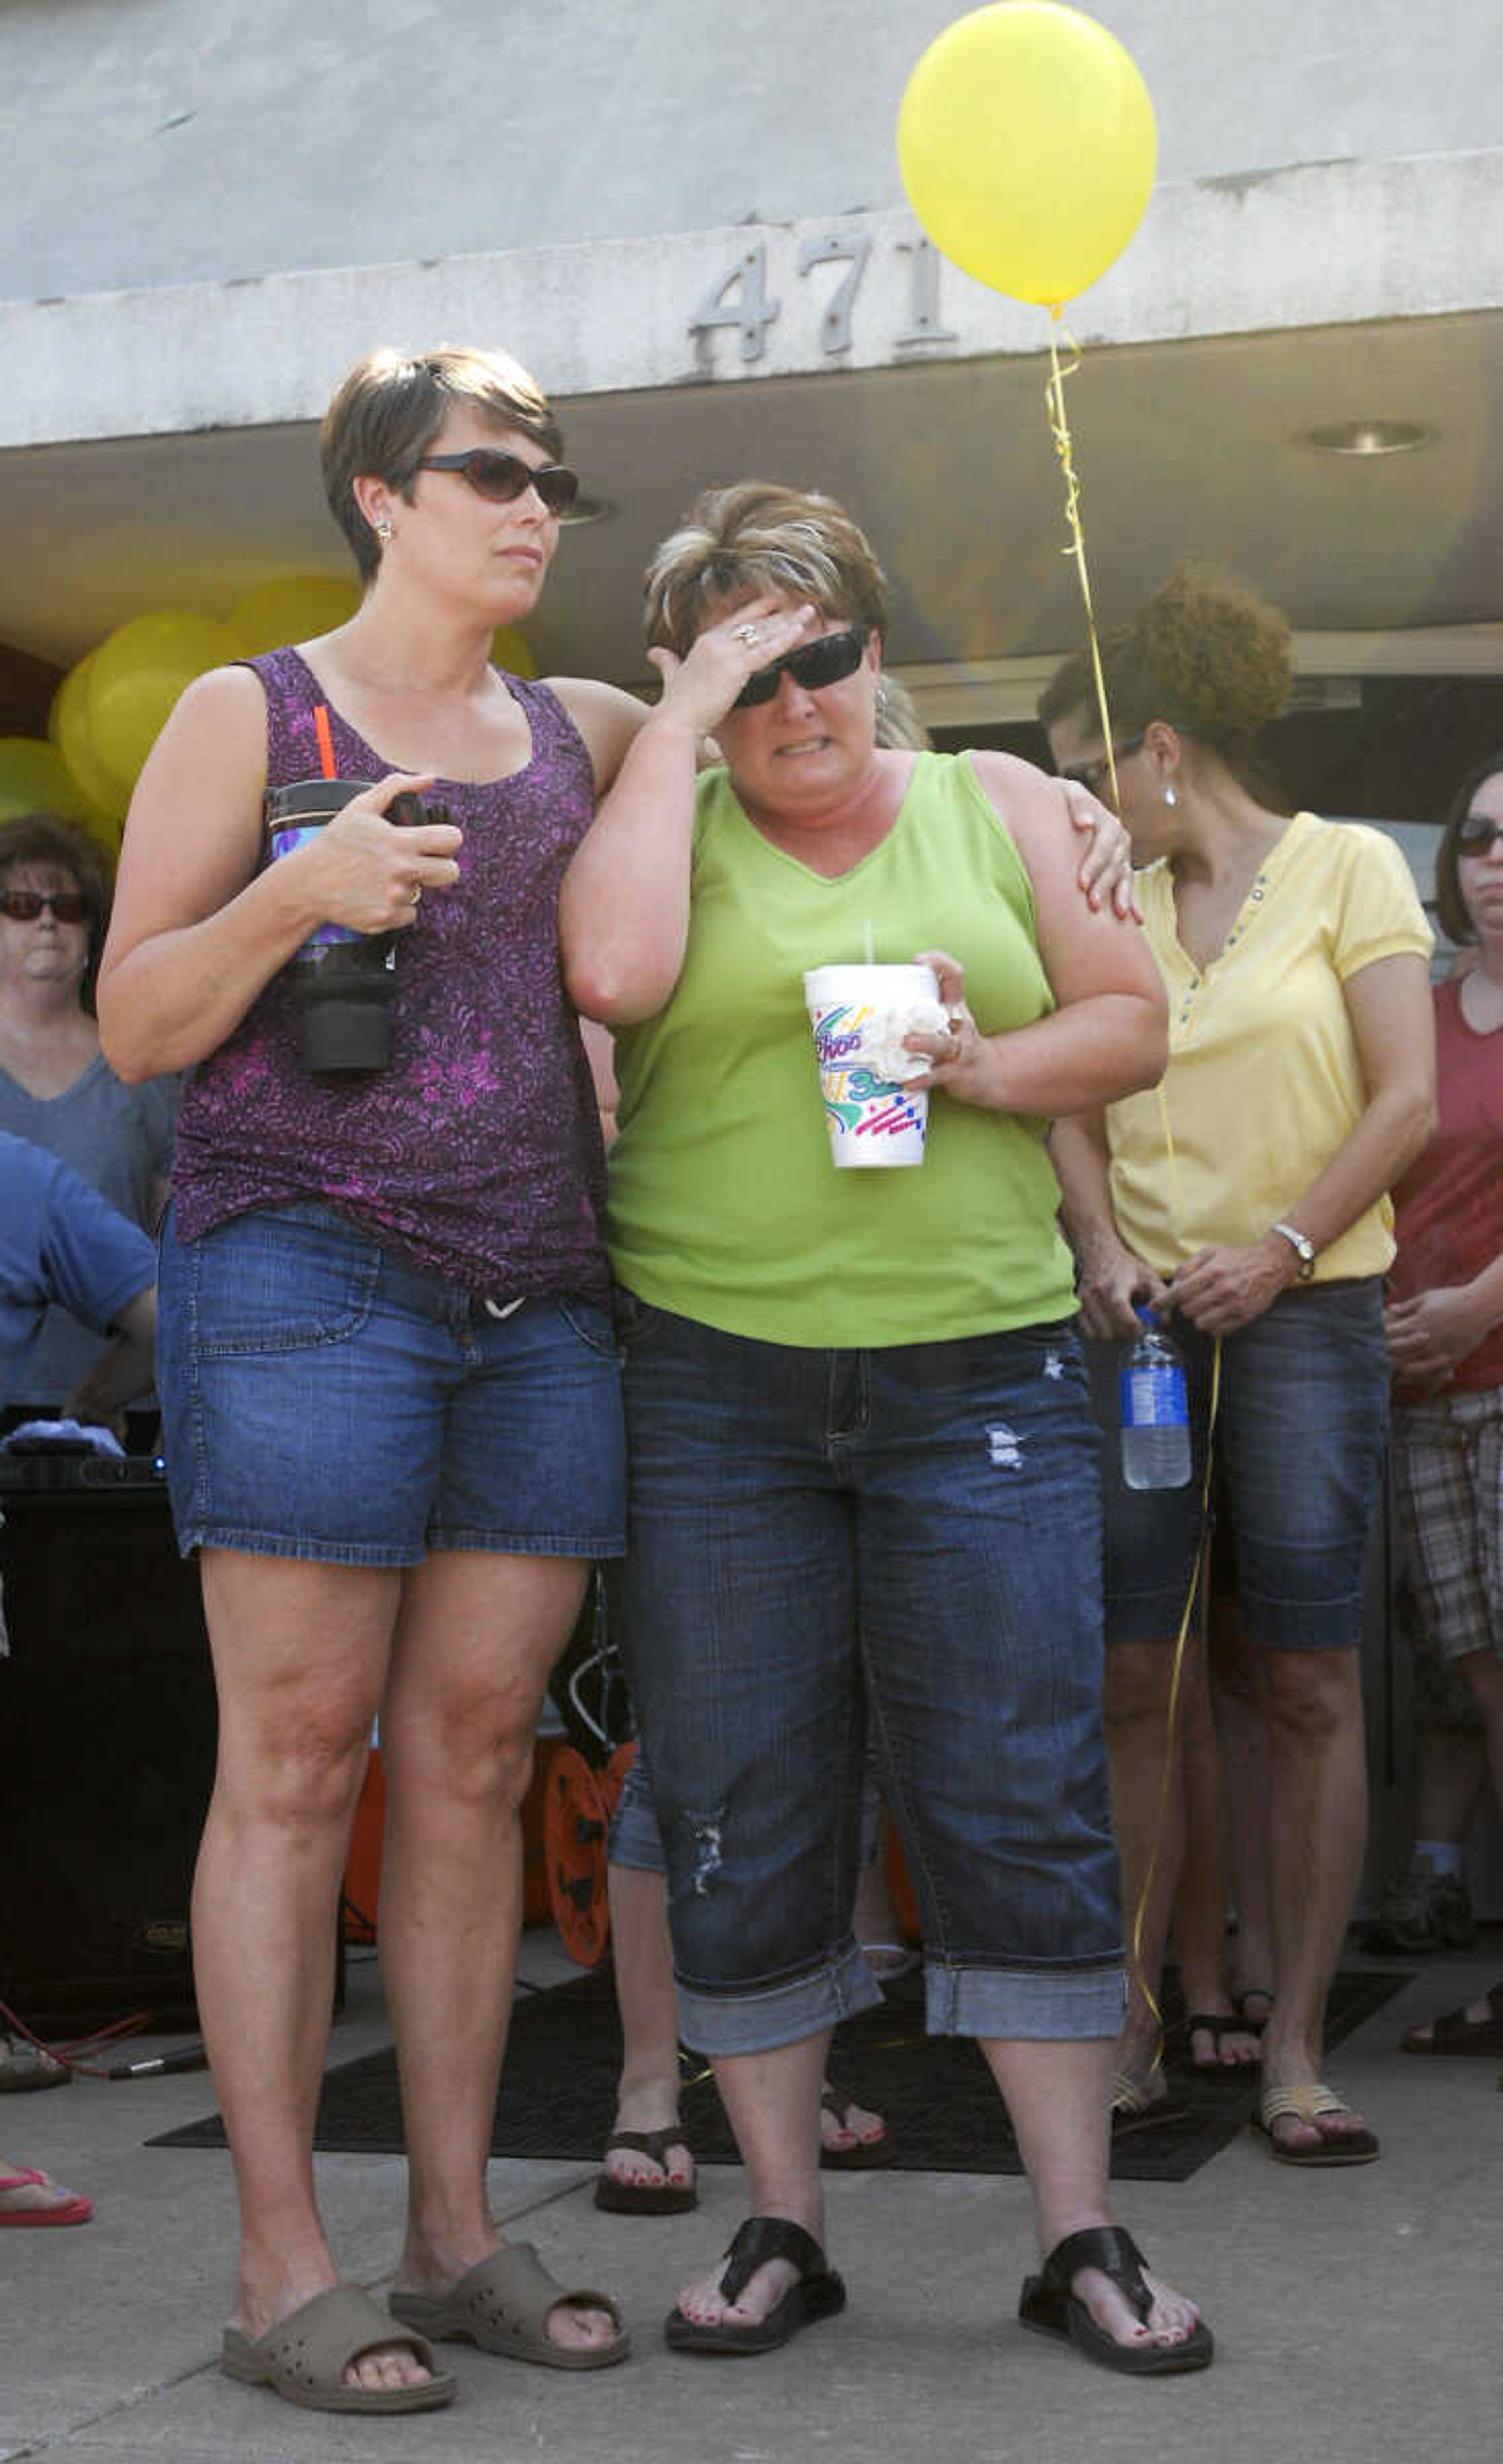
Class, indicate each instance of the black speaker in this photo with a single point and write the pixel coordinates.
(107, 1731)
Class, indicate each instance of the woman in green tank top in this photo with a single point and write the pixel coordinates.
(863, 1488)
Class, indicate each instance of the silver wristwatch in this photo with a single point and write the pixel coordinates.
(1304, 1250)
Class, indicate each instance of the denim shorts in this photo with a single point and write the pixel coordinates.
(323, 1400)
(909, 1536)
(1300, 1438)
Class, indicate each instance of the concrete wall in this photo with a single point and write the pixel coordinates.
(152, 142)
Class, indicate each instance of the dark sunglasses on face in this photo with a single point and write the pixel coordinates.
(503, 477)
(1090, 774)
(1479, 835)
(24, 905)
(828, 661)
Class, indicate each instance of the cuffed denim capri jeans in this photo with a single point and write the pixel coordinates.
(910, 1535)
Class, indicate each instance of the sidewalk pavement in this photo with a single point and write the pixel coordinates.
(1357, 2312)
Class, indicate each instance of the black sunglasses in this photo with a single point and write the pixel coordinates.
(1090, 774)
(828, 661)
(24, 905)
(1477, 834)
(503, 477)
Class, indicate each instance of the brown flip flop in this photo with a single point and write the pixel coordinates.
(663, 2198)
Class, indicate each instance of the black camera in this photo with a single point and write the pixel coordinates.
(345, 980)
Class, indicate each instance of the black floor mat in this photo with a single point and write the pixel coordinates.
(557, 2096)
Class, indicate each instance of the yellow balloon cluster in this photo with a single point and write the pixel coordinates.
(136, 675)
(109, 710)
(34, 779)
(291, 607)
(1027, 143)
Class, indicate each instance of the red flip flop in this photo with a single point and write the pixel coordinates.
(71, 2211)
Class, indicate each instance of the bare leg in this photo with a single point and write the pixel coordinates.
(474, 1644)
(1451, 1768)
(299, 1658)
(1316, 1834)
(647, 2093)
(1148, 1815)
(772, 2100)
(1240, 1697)
(1057, 2096)
(1200, 1908)
(1483, 1671)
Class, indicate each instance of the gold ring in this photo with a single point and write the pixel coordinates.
(417, 893)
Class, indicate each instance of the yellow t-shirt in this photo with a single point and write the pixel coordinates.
(1265, 1080)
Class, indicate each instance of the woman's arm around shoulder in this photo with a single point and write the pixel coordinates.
(196, 932)
(1109, 1035)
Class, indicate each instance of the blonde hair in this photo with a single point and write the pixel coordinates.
(391, 405)
(759, 536)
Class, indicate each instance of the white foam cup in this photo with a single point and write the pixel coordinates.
(859, 1016)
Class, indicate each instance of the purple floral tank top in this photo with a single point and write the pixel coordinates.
(477, 1156)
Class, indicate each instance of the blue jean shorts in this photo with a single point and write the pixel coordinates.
(323, 1400)
(1301, 1441)
(908, 1537)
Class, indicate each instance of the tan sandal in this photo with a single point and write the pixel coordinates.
(1137, 2102)
(504, 2306)
(303, 2357)
(1307, 2103)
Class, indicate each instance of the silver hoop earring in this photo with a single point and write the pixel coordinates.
(881, 692)
(1169, 796)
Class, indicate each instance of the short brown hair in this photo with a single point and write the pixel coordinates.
(390, 408)
(760, 536)
(51, 844)
(1450, 905)
(1206, 653)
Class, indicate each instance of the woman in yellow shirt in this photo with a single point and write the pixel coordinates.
(1247, 1201)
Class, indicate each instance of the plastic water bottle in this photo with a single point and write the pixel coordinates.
(1155, 1422)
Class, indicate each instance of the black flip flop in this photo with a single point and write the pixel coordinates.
(819, 2293)
(1454, 2032)
(646, 2198)
(1048, 2305)
(868, 2155)
(1217, 2025)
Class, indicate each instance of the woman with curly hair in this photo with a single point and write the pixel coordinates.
(1247, 1200)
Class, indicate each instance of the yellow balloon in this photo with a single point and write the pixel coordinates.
(1027, 143)
(34, 779)
(291, 607)
(136, 675)
(68, 726)
(509, 650)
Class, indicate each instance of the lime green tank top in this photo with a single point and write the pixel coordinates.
(724, 1205)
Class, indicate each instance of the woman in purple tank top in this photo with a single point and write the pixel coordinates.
(387, 1373)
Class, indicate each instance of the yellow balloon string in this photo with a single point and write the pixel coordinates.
(1065, 448)
(1177, 1675)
